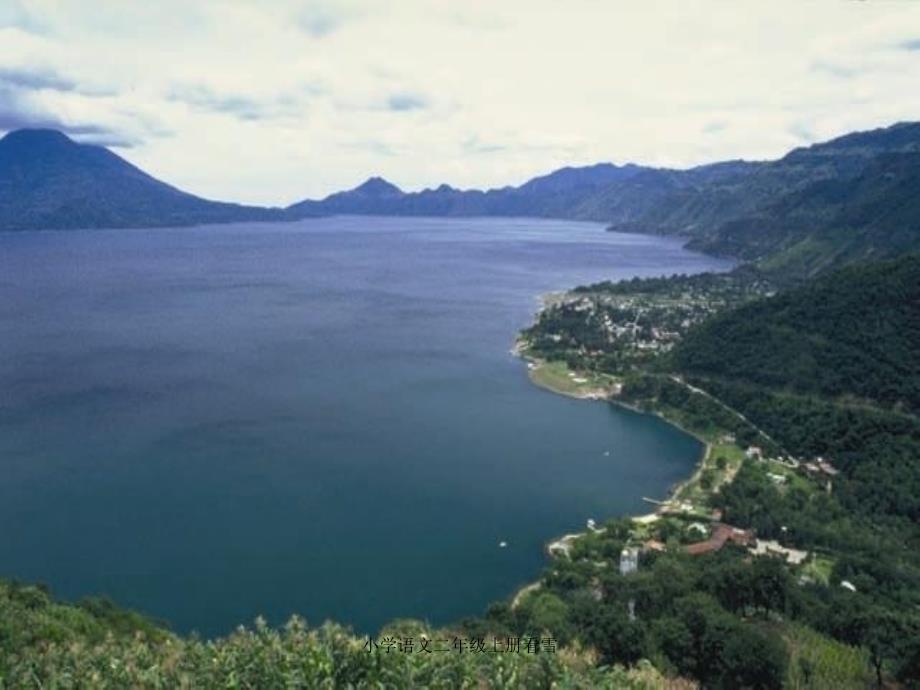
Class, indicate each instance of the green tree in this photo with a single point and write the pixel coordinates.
(752, 660)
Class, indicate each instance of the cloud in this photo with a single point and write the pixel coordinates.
(834, 69)
(204, 98)
(35, 78)
(401, 102)
(12, 118)
(379, 148)
(478, 20)
(47, 79)
(802, 132)
(425, 91)
(102, 136)
(14, 14)
(242, 106)
(15, 114)
(474, 145)
(320, 19)
(19, 110)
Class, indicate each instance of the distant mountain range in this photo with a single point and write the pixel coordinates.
(553, 195)
(825, 205)
(818, 207)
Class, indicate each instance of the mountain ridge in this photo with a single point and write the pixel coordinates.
(817, 207)
(546, 195)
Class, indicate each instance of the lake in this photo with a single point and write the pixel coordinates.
(323, 417)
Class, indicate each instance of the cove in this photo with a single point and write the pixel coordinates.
(323, 418)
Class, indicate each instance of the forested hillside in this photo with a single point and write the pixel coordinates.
(831, 222)
(852, 333)
(831, 368)
(816, 208)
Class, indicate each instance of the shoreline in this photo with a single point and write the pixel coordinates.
(578, 385)
(609, 395)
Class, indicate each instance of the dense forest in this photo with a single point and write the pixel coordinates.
(852, 333)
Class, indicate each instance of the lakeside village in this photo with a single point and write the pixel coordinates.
(580, 337)
(686, 522)
(618, 327)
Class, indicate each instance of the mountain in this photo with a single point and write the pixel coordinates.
(49, 181)
(552, 195)
(708, 204)
(815, 208)
(701, 199)
(375, 196)
(831, 222)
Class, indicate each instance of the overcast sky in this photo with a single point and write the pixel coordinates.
(271, 102)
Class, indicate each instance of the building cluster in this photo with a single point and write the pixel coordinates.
(821, 466)
(721, 535)
(648, 324)
(816, 468)
(774, 548)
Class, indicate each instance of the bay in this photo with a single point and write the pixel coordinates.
(323, 418)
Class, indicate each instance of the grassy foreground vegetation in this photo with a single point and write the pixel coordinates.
(47, 644)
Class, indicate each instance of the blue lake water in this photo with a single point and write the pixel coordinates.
(323, 417)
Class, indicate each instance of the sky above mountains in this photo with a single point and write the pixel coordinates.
(273, 102)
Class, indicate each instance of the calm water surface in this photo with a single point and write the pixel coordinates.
(320, 418)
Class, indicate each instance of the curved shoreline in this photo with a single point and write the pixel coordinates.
(563, 543)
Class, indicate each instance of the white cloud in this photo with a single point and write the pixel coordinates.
(273, 102)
